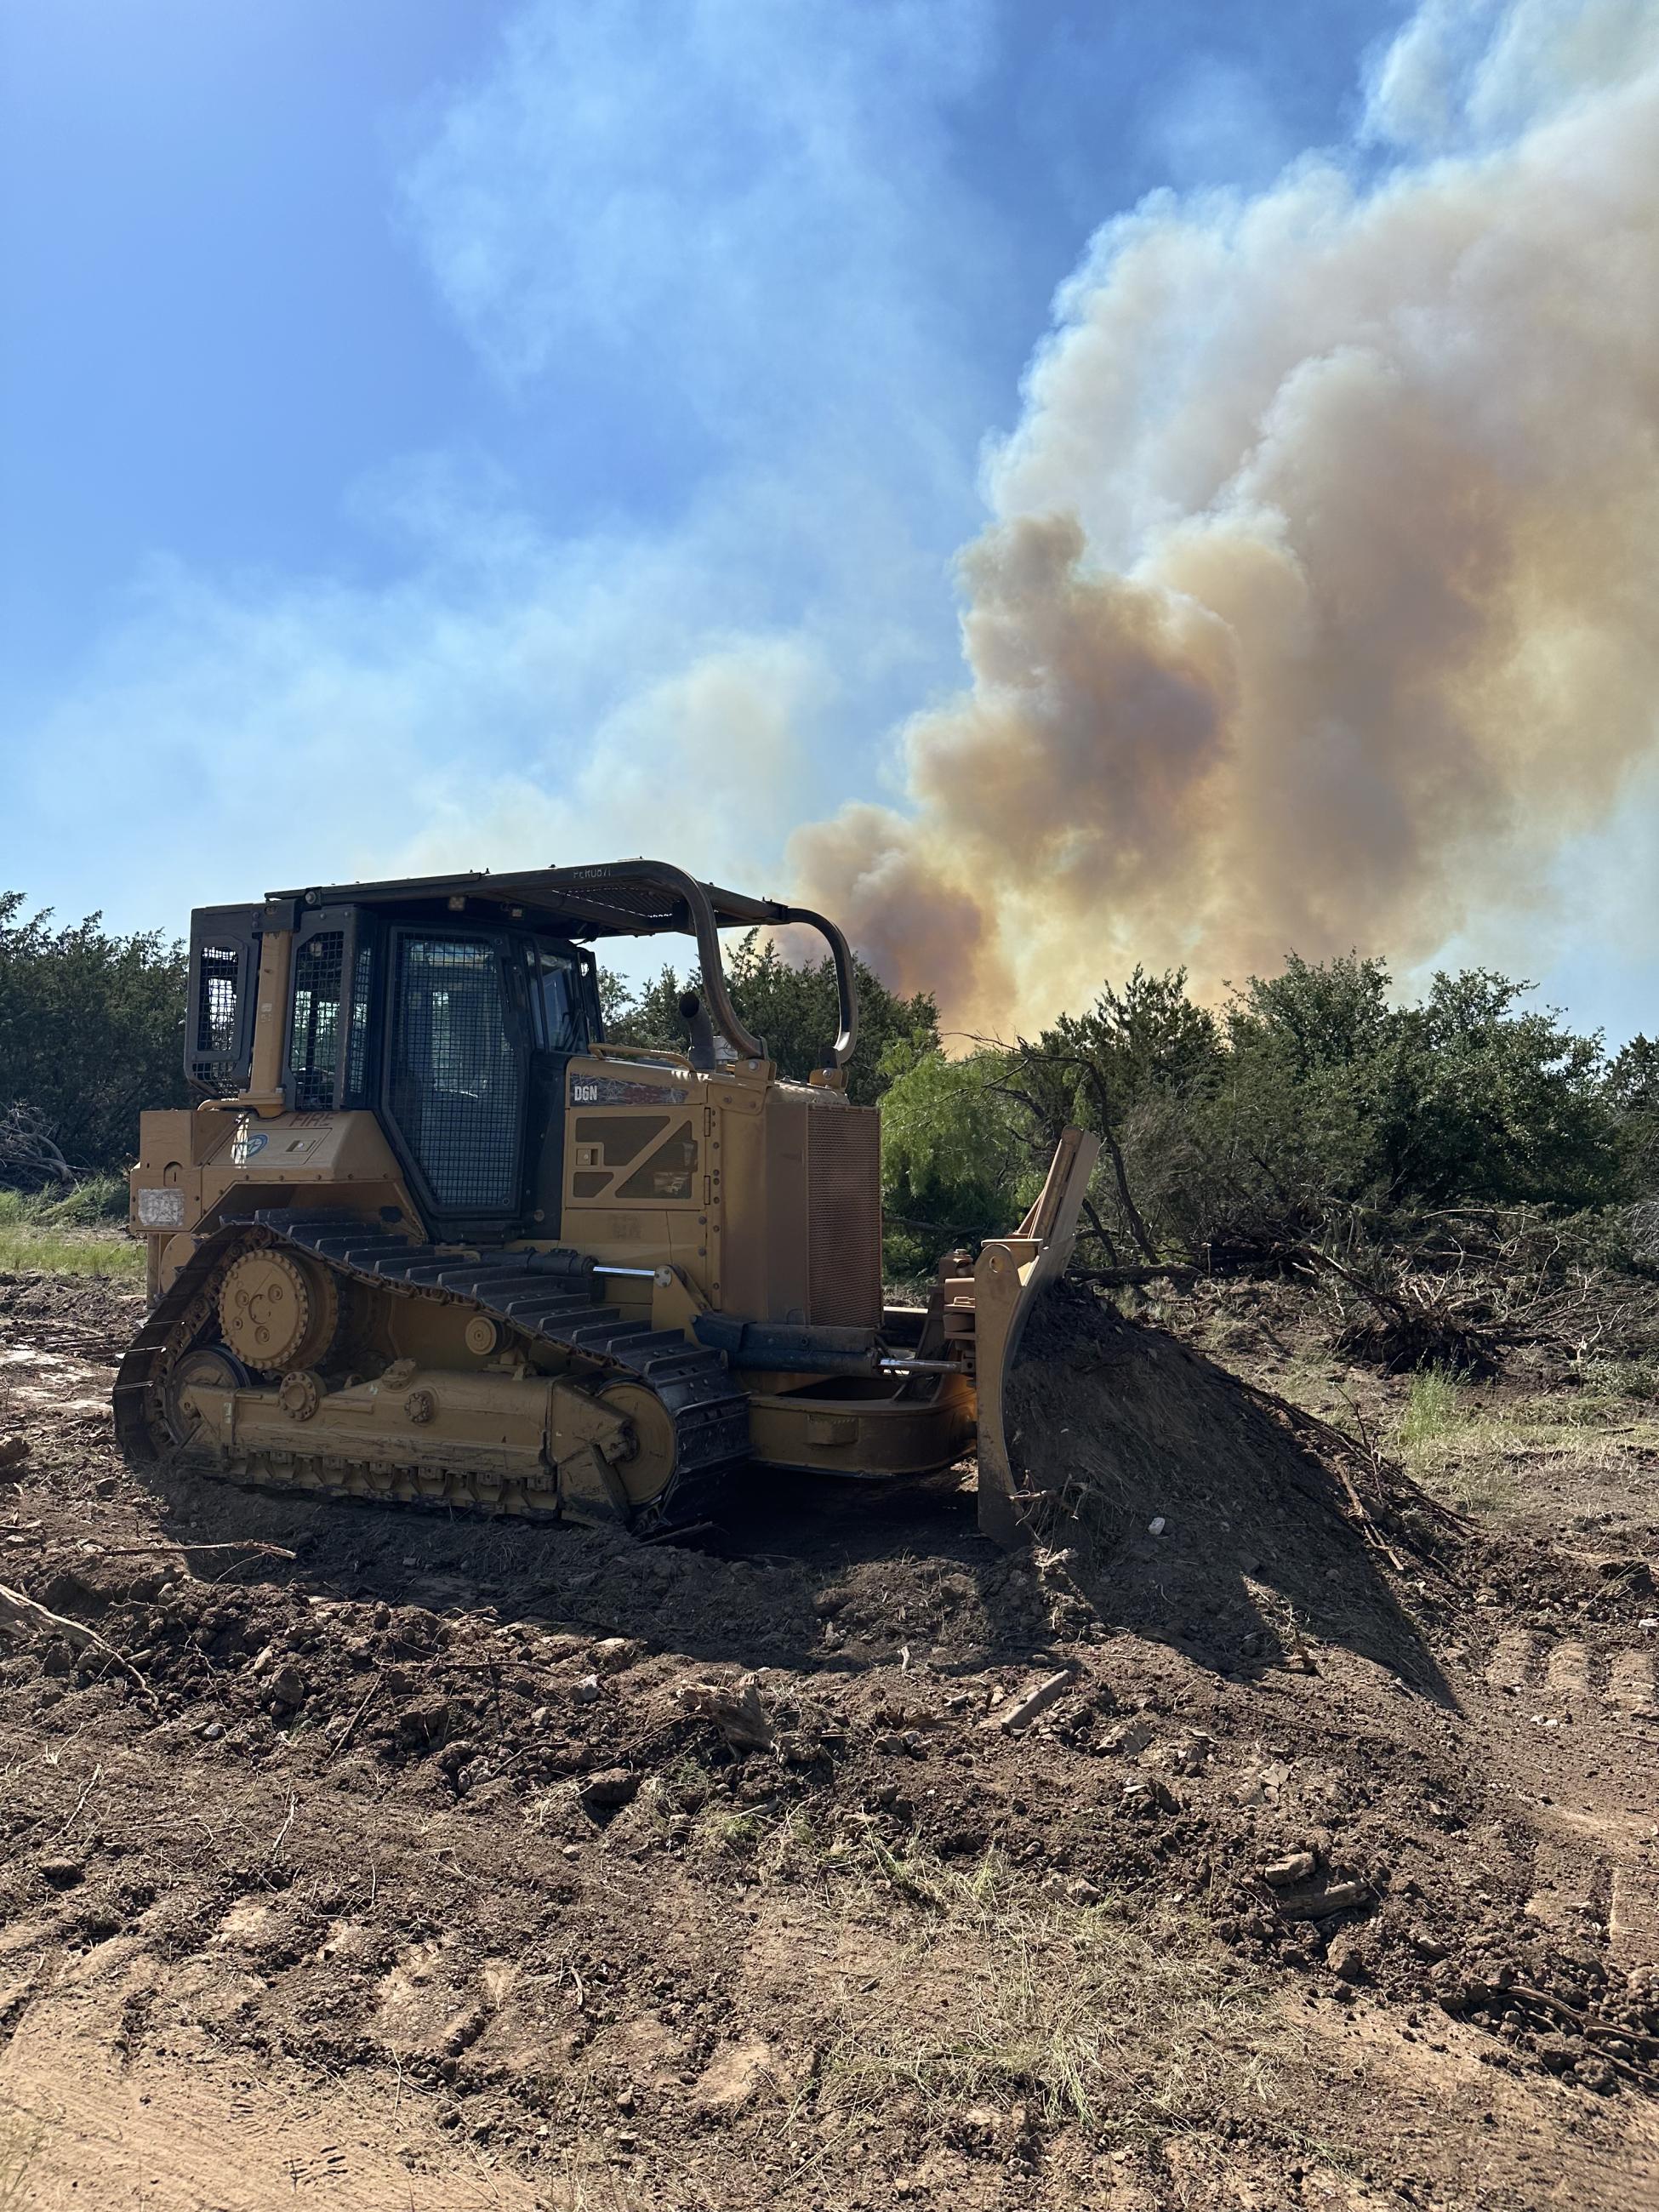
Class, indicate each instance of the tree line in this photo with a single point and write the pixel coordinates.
(1229, 1131)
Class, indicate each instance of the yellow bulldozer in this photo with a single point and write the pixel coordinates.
(428, 1238)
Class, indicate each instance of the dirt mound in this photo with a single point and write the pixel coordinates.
(1193, 1509)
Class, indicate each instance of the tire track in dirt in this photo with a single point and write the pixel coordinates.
(188, 2129)
(1596, 1861)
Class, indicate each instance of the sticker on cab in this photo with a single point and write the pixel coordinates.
(614, 1091)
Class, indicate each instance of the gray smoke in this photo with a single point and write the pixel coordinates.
(1318, 607)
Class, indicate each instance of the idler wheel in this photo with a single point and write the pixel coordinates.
(645, 1474)
(208, 1368)
(276, 1313)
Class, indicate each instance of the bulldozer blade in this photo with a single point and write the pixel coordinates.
(1009, 1277)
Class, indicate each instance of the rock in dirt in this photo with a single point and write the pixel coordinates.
(612, 1786)
(1262, 1784)
(1147, 1798)
(287, 1689)
(611, 1653)
(735, 2077)
(425, 1721)
(1192, 1754)
(1280, 1874)
(1021, 1710)
(1318, 1900)
(1127, 1738)
(1346, 1960)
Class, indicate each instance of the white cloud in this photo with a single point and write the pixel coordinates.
(738, 203)
(741, 223)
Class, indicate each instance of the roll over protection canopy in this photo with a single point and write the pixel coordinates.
(619, 898)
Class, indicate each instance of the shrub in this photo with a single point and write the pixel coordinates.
(91, 1031)
(952, 1160)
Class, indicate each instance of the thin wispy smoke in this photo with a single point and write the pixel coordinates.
(1318, 608)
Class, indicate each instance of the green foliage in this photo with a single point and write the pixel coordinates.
(1632, 1092)
(91, 1030)
(1468, 1096)
(952, 1160)
(796, 1010)
(649, 1017)
(1148, 1040)
(1310, 1095)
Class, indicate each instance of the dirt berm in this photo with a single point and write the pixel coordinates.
(1201, 1512)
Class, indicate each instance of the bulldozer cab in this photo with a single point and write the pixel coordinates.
(452, 1007)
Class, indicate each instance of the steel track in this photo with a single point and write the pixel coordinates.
(545, 1298)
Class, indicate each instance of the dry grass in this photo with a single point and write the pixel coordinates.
(982, 1992)
(21, 2137)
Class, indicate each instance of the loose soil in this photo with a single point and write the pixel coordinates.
(389, 1861)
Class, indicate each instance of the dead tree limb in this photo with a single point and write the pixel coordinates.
(26, 1615)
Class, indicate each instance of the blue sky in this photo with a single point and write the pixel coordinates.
(447, 432)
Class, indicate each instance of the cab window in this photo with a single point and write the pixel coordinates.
(556, 988)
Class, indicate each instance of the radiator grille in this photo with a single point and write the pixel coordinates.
(314, 1055)
(843, 1216)
(455, 1090)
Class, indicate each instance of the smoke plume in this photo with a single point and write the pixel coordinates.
(1318, 606)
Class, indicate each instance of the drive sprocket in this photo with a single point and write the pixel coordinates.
(276, 1312)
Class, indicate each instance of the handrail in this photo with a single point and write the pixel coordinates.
(701, 925)
(847, 989)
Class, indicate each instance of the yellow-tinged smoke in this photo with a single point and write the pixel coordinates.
(1321, 603)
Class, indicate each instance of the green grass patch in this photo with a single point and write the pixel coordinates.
(1434, 1411)
(1484, 1451)
(74, 1232)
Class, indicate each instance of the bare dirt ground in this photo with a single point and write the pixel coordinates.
(409, 1864)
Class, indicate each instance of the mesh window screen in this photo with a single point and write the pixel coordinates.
(216, 1027)
(455, 1088)
(314, 1053)
(357, 1050)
